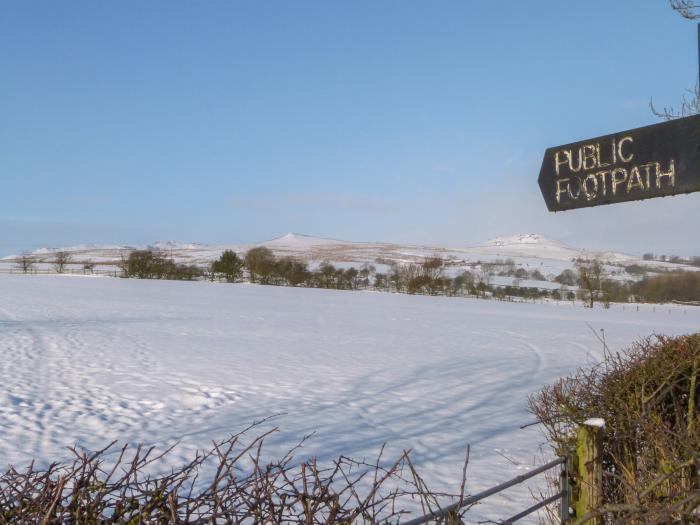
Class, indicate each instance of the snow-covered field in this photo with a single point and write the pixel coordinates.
(87, 360)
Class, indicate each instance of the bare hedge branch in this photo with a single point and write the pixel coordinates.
(124, 486)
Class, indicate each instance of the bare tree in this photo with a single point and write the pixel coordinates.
(261, 263)
(690, 100)
(60, 260)
(685, 8)
(589, 275)
(689, 105)
(367, 271)
(432, 267)
(25, 262)
(294, 272)
(482, 277)
(124, 265)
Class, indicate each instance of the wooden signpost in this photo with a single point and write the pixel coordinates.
(653, 161)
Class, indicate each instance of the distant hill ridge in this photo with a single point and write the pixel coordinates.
(313, 248)
(300, 239)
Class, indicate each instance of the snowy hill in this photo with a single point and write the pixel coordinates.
(300, 241)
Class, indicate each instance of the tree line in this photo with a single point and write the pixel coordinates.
(595, 284)
(676, 259)
(260, 265)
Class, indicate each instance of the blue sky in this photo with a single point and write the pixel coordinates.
(224, 122)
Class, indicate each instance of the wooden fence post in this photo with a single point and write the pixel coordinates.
(589, 448)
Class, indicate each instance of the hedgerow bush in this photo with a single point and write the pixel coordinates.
(231, 483)
(648, 396)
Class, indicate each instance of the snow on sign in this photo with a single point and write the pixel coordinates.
(653, 161)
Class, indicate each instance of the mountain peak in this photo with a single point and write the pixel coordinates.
(521, 239)
(292, 239)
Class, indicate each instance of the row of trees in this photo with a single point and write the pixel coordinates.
(592, 280)
(427, 278)
(26, 262)
(675, 286)
(415, 278)
(261, 266)
(677, 259)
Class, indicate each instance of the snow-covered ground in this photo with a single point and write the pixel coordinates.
(87, 360)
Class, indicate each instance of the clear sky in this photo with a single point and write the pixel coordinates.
(224, 122)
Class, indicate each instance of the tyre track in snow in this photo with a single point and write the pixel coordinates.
(452, 397)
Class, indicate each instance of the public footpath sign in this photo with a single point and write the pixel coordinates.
(653, 161)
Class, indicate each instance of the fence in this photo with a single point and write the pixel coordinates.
(70, 271)
(449, 515)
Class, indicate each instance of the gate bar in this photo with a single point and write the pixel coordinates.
(442, 512)
(532, 509)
